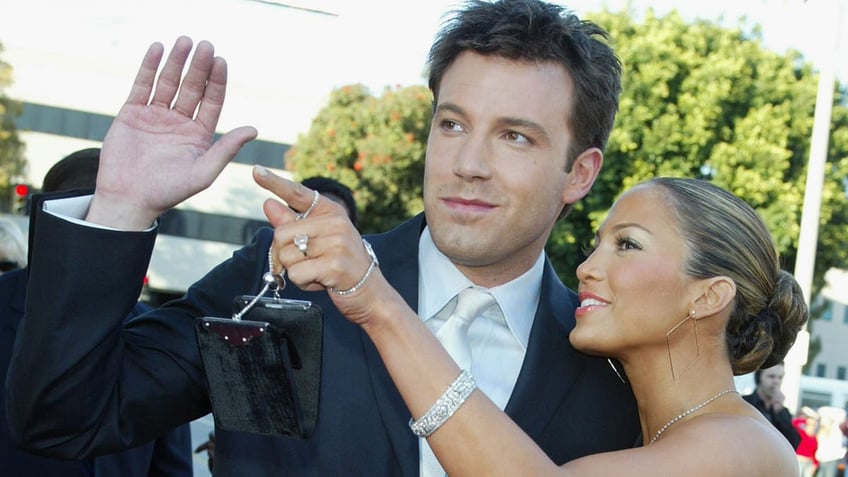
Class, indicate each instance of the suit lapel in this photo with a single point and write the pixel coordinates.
(397, 251)
(551, 364)
(548, 354)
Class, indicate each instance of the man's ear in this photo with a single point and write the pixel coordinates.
(583, 173)
(717, 293)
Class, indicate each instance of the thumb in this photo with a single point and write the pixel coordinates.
(222, 152)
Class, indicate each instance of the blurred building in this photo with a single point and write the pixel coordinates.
(826, 379)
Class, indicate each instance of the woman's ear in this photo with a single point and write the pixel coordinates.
(717, 293)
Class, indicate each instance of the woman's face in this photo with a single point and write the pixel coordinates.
(633, 288)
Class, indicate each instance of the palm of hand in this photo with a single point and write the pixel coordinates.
(159, 150)
(168, 170)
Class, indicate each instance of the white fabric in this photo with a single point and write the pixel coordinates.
(453, 335)
(470, 304)
(74, 209)
(499, 342)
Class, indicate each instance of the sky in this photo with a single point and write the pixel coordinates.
(284, 61)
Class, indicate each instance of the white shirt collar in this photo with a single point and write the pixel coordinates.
(439, 280)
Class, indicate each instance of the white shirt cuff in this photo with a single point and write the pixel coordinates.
(74, 210)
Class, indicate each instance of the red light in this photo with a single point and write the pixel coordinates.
(21, 190)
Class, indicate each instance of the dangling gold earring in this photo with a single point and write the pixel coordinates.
(690, 316)
(615, 370)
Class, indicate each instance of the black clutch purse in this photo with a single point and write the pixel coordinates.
(263, 366)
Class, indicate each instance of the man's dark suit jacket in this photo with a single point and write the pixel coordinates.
(169, 455)
(97, 384)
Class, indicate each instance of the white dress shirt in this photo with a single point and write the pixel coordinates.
(498, 338)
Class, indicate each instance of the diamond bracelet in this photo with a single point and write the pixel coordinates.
(371, 266)
(445, 406)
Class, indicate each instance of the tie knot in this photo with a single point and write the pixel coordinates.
(471, 302)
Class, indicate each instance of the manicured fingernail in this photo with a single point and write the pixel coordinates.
(260, 170)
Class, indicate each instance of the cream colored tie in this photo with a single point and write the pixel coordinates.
(453, 335)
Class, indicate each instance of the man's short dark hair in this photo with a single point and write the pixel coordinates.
(77, 170)
(325, 185)
(758, 373)
(535, 31)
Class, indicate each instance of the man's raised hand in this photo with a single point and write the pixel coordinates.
(159, 150)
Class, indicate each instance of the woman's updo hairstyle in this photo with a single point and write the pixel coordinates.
(726, 237)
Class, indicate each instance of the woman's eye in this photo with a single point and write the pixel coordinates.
(625, 243)
(588, 249)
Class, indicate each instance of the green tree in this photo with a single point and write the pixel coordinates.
(11, 148)
(375, 146)
(700, 100)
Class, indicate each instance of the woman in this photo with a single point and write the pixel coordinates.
(683, 288)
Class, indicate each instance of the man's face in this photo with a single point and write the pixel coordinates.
(770, 380)
(495, 175)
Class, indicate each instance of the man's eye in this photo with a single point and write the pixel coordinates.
(449, 125)
(517, 137)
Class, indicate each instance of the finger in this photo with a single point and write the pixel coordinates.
(169, 78)
(143, 85)
(194, 83)
(220, 154)
(278, 213)
(213, 91)
(290, 252)
(305, 270)
(296, 195)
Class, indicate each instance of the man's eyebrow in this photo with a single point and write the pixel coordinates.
(451, 107)
(525, 124)
(508, 121)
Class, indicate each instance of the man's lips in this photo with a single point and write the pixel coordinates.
(470, 205)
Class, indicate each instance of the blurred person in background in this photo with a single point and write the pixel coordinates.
(337, 192)
(12, 246)
(831, 441)
(807, 425)
(768, 399)
(169, 455)
(840, 467)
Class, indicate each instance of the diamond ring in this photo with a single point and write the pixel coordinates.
(300, 241)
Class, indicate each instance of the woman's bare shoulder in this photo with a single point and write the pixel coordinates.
(740, 443)
(709, 445)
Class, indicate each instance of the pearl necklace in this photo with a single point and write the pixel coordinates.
(686, 413)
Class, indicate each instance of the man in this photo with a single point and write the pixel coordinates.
(768, 399)
(524, 99)
(168, 455)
